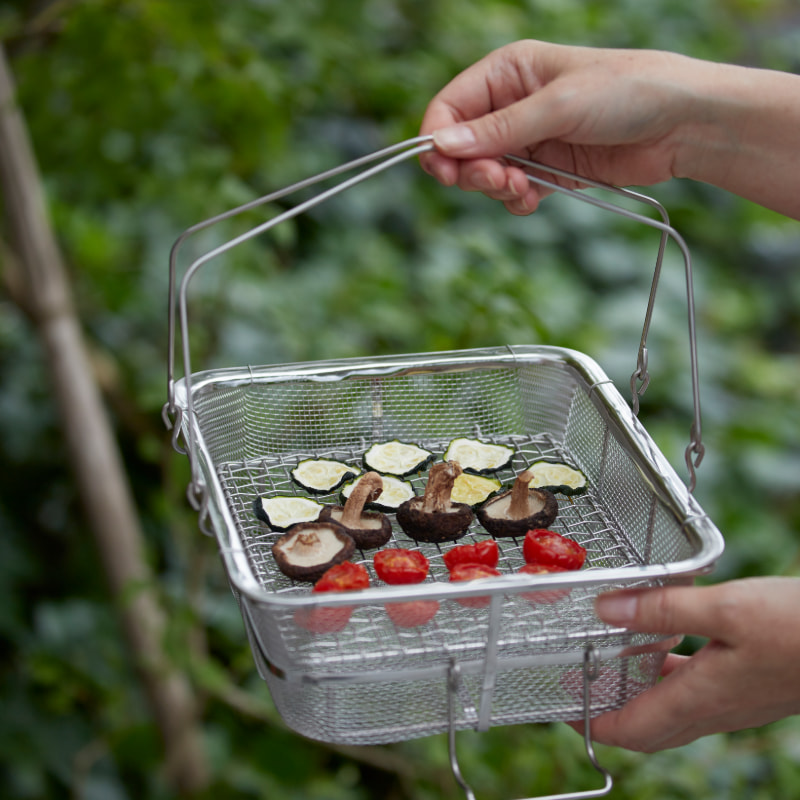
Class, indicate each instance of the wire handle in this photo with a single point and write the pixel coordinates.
(590, 673)
(386, 158)
(695, 450)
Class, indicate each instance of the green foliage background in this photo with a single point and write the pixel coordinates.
(149, 116)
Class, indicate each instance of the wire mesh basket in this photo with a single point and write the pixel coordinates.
(504, 650)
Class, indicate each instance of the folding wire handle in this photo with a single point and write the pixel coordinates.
(590, 673)
(385, 159)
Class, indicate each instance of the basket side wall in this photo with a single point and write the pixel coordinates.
(258, 419)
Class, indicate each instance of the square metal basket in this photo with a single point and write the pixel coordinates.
(535, 651)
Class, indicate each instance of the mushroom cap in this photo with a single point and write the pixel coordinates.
(374, 529)
(308, 549)
(493, 514)
(434, 526)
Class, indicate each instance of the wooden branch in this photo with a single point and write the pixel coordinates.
(46, 295)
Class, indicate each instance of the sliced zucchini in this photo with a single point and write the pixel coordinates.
(283, 511)
(322, 475)
(479, 457)
(474, 489)
(556, 476)
(394, 493)
(397, 458)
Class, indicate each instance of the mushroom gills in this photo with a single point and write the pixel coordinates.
(308, 549)
(521, 508)
(374, 528)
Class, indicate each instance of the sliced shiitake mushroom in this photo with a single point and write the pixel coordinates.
(368, 529)
(434, 517)
(518, 510)
(308, 549)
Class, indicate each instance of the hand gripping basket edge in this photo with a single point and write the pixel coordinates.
(534, 650)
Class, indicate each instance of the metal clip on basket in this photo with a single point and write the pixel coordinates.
(534, 651)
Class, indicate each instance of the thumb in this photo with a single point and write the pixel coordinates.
(698, 611)
(507, 130)
(511, 129)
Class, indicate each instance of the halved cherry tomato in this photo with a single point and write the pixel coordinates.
(543, 546)
(471, 572)
(400, 566)
(411, 613)
(483, 552)
(342, 577)
(543, 596)
(323, 619)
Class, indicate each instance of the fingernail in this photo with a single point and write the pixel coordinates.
(456, 137)
(618, 609)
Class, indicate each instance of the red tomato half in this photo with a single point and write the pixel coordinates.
(400, 566)
(323, 620)
(471, 572)
(410, 614)
(542, 546)
(342, 577)
(544, 596)
(484, 552)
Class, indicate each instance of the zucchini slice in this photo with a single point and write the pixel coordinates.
(394, 493)
(322, 475)
(556, 476)
(474, 489)
(479, 457)
(283, 511)
(397, 458)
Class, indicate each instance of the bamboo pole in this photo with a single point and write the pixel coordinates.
(93, 451)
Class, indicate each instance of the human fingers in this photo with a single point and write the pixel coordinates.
(655, 720)
(617, 728)
(672, 662)
(744, 677)
(498, 80)
(467, 152)
(702, 611)
(508, 184)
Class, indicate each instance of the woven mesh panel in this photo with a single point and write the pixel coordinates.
(385, 711)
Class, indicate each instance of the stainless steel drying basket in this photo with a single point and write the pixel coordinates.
(534, 651)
